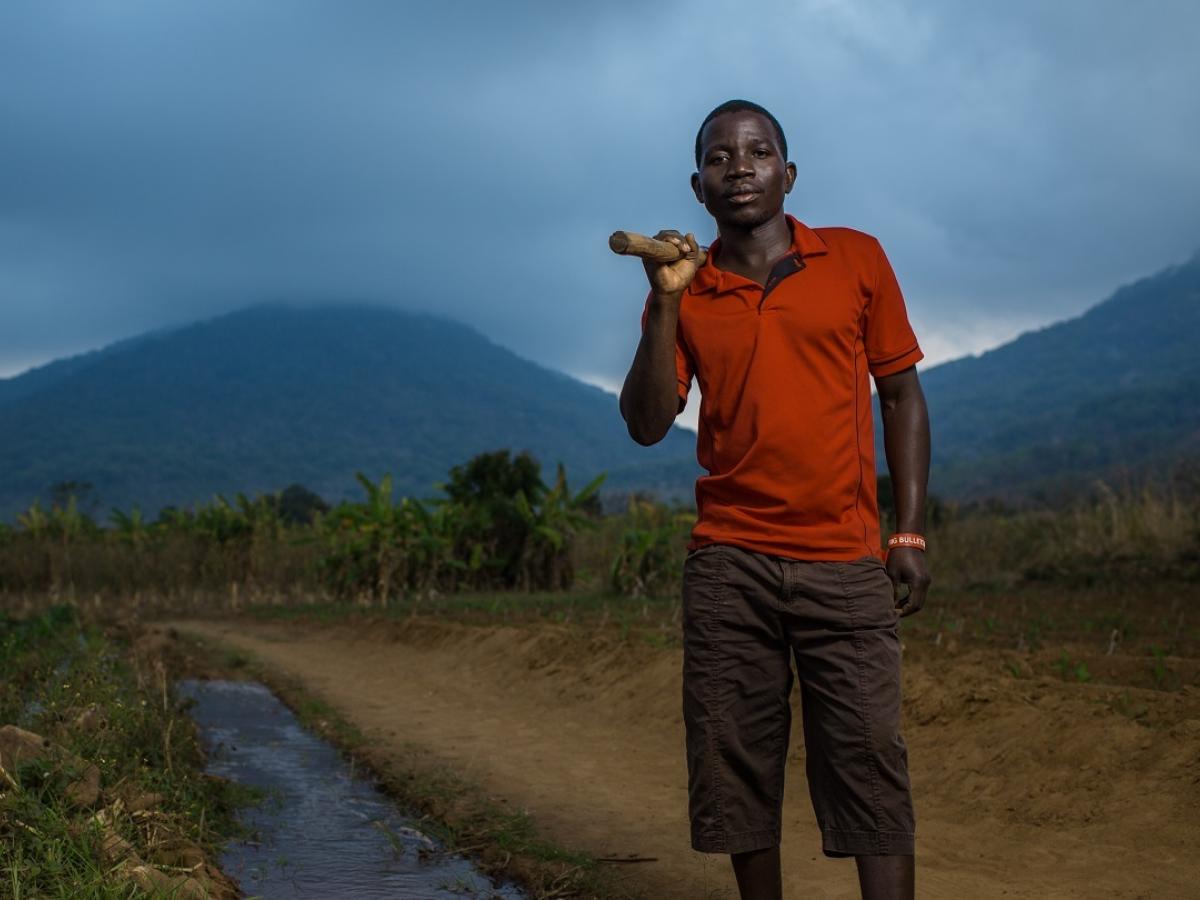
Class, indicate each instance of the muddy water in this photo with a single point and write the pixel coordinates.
(321, 832)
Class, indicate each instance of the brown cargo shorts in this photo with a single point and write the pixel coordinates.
(746, 616)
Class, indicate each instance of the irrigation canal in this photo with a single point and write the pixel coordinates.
(321, 831)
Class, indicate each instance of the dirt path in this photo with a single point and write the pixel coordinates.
(1025, 788)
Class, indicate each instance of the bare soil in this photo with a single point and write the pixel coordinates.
(1026, 785)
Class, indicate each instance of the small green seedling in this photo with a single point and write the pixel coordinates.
(1069, 669)
(1160, 672)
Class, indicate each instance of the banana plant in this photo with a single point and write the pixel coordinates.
(431, 561)
(552, 526)
(367, 543)
(264, 527)
(220, 522)
(130, 528)
(648, 560)
(34, 521)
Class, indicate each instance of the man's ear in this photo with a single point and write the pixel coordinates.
(791, 177)
(696, 187)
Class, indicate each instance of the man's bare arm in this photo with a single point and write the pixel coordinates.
(649, 398)
(906, 444)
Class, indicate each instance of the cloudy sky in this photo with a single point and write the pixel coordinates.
(163, 161)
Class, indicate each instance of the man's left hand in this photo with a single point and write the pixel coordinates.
(906, 566)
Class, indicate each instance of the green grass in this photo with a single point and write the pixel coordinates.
(49, 847)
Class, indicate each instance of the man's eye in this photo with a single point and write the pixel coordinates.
(761, 152)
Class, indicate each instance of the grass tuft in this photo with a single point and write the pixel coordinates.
(88, 694)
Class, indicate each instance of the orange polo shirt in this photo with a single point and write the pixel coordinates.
(786, 433)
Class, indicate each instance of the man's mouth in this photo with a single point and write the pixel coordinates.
(742, 195)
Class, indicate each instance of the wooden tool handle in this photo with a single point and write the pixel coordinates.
(629, 243)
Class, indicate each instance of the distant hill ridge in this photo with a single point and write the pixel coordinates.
(33, 380)
(258, 399)
(1117, 388)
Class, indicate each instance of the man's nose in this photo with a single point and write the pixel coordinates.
(740, 165)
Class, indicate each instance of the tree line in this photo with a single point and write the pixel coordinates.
(498, 526)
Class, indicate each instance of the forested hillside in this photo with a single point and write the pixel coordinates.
(260, 399)
(1114, 390)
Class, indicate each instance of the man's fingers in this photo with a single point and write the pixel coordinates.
(915, 599)
(687, 245)
(903, 592)
(906, 568)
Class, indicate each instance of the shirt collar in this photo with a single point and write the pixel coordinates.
(709, 277)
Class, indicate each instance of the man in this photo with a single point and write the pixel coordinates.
(781, 326)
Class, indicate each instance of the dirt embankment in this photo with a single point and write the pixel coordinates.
(1025, 787)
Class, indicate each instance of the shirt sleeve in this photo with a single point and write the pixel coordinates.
(890, 342)
(683, 362)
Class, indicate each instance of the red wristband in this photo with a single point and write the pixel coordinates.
(906, 539)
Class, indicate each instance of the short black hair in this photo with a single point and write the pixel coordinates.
(730, 106)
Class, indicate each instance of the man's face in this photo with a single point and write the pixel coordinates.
(743, 176)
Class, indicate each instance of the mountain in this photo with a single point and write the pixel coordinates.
(262, 398)
(35, 379)
(1114, 390)
(259, 399)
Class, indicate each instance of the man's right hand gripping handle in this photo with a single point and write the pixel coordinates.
(649, 398)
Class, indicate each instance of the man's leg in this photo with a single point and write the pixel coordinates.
(758, 874)
(736, 681)
(886, 877)
(842, 624)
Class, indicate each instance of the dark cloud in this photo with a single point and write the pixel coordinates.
(163, 161)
